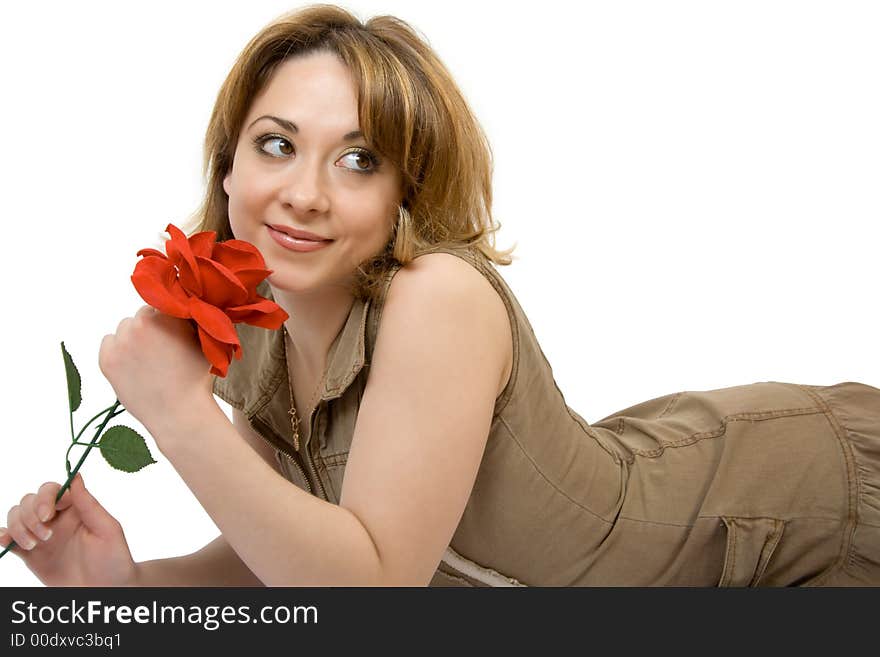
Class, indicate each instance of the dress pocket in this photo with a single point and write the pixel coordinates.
(750, 544)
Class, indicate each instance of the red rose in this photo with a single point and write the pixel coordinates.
(212, 283)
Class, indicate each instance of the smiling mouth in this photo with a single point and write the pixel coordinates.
(295, 244)
(297, 239)
(296, 234)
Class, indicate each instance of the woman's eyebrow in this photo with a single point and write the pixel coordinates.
(291, 126)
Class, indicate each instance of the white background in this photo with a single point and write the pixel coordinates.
(693, 187)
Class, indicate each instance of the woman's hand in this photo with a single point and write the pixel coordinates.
(87, 546)
(156, 366)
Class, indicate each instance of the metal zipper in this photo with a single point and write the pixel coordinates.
(301, 471)
(278, 444)
(311, 463)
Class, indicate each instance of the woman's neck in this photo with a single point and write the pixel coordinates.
(315, 321)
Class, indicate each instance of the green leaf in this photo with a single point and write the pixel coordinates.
(125, 449)
(74, 384)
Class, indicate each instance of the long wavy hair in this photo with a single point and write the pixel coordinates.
(409, 108)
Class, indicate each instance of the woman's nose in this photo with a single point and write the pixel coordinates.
(303, 187)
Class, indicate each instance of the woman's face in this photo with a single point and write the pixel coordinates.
(310, 174)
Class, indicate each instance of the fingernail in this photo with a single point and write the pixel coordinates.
(28, 544)
(44, 513)
(45, 534)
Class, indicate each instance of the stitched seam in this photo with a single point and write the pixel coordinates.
(346, 380)
(266, 395)
(490, 274)
(223, 394)
(721, 515)
(769, 548)
(731, 547)
(274, 380)
(589, 431)
(843, 559)
(544, 476)
(779, 517)
(331, 462)
(671, 403)
(271, 374)
(377, 316)
(722, 429)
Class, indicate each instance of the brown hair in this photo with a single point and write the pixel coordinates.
(409, 109)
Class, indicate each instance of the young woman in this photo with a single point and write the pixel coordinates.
(404, 426)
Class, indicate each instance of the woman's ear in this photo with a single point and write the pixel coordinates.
(226, 183)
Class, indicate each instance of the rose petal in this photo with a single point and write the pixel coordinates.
(202, 244)
(264, 313)
(218, 353)
(181, 255)
(220, 287)
(213, 320)
(272, 320)
(151, 252)
(155, 279)
(251, 278)
(238, 254)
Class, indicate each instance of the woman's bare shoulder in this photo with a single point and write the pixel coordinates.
(445, 270)
(466, 292)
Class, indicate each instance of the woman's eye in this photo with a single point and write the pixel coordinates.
(361, 160)
(262, 141)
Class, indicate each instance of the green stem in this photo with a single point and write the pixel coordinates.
(82, 459)
(76, 439)
(75, 442)
(92, 420)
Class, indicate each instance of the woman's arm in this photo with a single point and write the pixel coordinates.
(440, 358)
(417, 445)
(216, 564)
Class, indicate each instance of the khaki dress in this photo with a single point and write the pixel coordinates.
(769, 484)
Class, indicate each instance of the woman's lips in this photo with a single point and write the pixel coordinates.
(293, 244)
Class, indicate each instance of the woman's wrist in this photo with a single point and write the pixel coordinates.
(136, 578)
(178, 431)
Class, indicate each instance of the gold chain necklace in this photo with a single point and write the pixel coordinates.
(294, 418)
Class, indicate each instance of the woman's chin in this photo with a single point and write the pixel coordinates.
(291, 284)
(284, 282)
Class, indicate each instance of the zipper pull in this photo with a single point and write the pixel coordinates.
(294, 425)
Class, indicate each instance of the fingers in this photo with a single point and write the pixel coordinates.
(145, 310)
(65, 501)
(28, 522)
(125, 325)
(24, 527)
(93, 515)
(44, 506)
(122, 323)
(103, 349)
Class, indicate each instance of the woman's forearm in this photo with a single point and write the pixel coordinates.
(286, 536)
(216, 564)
